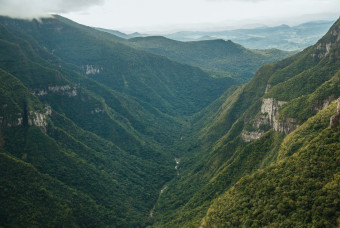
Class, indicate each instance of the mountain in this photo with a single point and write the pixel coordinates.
(72, 142)
(121, 34)
(266, 153)
(213, 55)
(88, 124)
(281, 37)
(96, 133)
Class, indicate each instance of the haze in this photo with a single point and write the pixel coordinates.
(161, 16)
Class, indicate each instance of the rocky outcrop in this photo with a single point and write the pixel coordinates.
(285, 125)
(268, 87)
(249, 136)
(90, 69)
(269, 117)
(323, 48)
(323, 104)
(34, 118)
(270, 108)
(335, 119)
(11, 120)
(68, 90)
(97, 110)
(38, 118)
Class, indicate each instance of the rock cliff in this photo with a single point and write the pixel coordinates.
(34, 118)
(334, 121)
(66, 90)
(269, 116)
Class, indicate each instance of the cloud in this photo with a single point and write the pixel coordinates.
(39, 8)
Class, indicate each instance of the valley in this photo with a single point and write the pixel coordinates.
(101, 131)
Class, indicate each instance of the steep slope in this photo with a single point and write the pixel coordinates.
(96, 133)
(89, 104)
(40, 199)
(213, 55)
(248, 132)
(109, 184)
(171, 87)
(300, 190)
(108, 146)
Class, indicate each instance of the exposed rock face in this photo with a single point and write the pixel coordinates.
(286, 125)
(261, 120)
(249, 136)
(323, 48)
(11, 120)
(36, 118)
(335, 119)
(323, 104)
(90, 69)
(268, 87)
(67, 90)
(269, 117)
(39, 119)
(270, 107)
(97, 110)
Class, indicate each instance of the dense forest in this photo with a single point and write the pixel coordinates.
(101, 131)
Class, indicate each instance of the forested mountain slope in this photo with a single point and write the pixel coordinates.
(79, 152)
(300, 190)
(168, 86)
(96, 133)
(256, 128)
(213, 55)
(85, 115)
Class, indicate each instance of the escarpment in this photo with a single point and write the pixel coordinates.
(335, 119)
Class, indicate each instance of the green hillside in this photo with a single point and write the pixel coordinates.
(96, 133)
(212, 55)
(166, 85)
(110, 144)
(249, 132)
(75, 161)
(300, 190)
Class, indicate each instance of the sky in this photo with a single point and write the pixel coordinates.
(165, 16)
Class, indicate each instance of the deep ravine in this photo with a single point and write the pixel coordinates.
(177, 160)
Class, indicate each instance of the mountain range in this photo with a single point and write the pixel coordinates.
(282, 37)
(219, 57)
(100, 131)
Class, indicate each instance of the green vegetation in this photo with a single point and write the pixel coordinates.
(300, 190)
(221, 157)
(30, 199)
(90, 128)
(169, 86)
(213, 55)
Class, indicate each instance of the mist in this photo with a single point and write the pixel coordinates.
(29, 9)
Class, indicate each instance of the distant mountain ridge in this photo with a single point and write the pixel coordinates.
(121, 34)
(282, 37)
(213, 55)
(218, 57)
